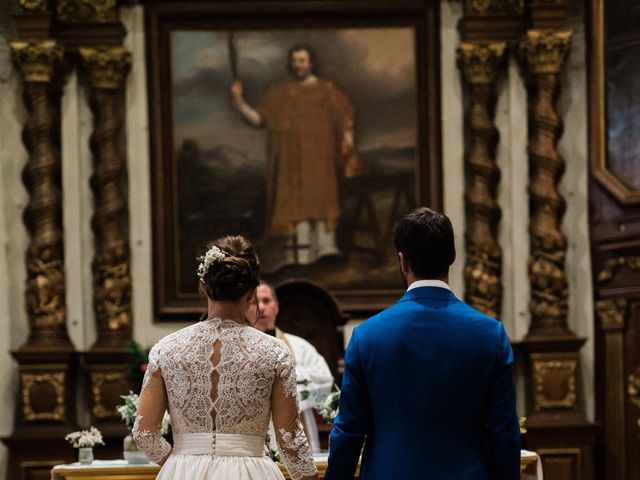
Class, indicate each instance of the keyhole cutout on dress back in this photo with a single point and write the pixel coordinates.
(216, 356)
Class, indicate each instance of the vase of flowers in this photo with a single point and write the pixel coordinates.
(84, 441)
(128, 411)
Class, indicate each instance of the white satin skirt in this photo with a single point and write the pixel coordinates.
(219, 456)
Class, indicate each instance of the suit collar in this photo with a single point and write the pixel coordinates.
(435, 293)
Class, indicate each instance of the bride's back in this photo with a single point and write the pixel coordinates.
(219, 376)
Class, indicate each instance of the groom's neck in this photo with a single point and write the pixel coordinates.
(412, 277)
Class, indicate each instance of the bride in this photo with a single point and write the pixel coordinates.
(222, 381)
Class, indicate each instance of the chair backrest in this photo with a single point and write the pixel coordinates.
(309, 311)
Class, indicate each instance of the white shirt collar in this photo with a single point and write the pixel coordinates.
(428, 283)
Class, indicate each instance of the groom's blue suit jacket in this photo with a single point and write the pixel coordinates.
(428, 388)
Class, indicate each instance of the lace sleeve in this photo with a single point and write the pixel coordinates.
(153, 402)
(290, 436)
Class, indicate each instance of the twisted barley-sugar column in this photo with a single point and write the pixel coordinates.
(107, 68)
(543, 53)
(480, 64)
(38, 62)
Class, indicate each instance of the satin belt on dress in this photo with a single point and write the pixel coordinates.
(219, 444)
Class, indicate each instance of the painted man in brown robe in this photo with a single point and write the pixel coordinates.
(309, 124)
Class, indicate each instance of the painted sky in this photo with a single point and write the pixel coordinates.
(375, 67)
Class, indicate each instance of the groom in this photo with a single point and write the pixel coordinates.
(427, 384)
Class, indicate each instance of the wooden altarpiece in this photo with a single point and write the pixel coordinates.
(536, 33)
(56, 36)
(53, 38)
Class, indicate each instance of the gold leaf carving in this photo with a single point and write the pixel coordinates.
(34, 5)
(612, 265)
(100, 381)
(611, 313)
(54, 380)
(542, 55)
(37, 60)
(501, 7)
(555, 384)
(545, 51)
(86, 11)
(46, 288)
(113, 290)
(480, 62)
(107, 67)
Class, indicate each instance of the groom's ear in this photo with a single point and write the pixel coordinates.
(404, 264)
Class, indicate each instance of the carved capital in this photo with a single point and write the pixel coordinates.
(614, 264)
(545, 51)
(612, 313)
(37, 60)
(480, 61)
(554, 384)
(500, 7)
(86, 11)
(107, 67)
(43, 396)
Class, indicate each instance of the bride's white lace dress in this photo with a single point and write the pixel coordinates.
(221, 382)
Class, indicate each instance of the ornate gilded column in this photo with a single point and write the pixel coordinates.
(543, 53)
(556, 422)
(553, 349)
(45, 292)
(480, 63)
(107, 68)
(106, 361)
(47, 358)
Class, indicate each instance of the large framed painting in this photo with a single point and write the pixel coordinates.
(309, 127)
(615, 98)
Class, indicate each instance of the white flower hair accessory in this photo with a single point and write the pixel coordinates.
(213, 255)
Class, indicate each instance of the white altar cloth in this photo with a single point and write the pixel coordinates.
(116, 466)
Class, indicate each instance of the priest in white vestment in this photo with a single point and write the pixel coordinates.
(312, 372)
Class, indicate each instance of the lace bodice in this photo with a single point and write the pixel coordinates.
(220, 376)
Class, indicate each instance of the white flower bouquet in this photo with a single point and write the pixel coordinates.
(85, 438)
(129, 409)
(328, 407)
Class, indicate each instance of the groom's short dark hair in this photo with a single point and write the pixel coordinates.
(426, 240)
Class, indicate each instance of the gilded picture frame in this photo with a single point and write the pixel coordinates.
(211, 170)
(614, 131)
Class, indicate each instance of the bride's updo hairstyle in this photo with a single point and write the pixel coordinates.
(229, 269)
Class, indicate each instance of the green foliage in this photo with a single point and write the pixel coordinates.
(275, 455)
(139, 361)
